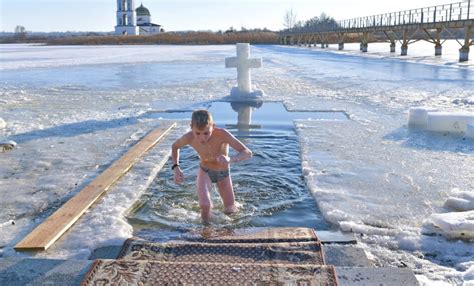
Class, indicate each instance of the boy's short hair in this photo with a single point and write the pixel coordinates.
(201, 118)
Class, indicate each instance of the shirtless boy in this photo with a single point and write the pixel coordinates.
(212, 145)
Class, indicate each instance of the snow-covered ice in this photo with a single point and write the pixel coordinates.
(404, 191)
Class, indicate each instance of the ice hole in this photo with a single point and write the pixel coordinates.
(269, 187)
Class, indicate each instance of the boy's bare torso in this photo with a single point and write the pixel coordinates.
(210, 150)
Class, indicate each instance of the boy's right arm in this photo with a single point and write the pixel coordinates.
(178, 144)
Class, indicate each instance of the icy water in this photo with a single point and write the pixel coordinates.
(269, 187)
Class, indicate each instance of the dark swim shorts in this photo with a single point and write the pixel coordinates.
(215, 176)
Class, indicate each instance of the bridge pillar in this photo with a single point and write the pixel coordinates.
(438, 46)
(464, 51)
(364, 44)
(464, 54)
(341, 46)
(404, 50)
(392, 47)
(405, 42)
(438, 49)
(322, 45)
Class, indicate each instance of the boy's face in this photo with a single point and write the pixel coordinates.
(204, 134)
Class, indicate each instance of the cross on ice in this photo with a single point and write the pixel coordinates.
(244, 63)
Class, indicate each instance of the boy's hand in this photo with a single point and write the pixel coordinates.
(178, 176)
(222, 159)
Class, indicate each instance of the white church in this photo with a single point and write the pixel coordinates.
(131, 21)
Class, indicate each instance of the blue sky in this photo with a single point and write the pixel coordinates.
(177, 15)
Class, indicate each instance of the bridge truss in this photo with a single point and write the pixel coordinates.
(434, 24)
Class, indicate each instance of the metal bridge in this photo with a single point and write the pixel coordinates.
(434, 24)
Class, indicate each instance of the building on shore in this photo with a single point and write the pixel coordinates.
(146, 27)
(131, 21)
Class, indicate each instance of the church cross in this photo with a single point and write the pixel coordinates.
(243, 63)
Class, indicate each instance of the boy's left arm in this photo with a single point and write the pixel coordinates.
(244, 152)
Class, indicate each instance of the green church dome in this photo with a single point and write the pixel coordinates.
(142, 11)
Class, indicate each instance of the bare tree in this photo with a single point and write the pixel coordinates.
(289, 20)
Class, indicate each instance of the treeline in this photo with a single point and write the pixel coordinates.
(23, 39)
(168, 38)
(321, 23)
(43, 37)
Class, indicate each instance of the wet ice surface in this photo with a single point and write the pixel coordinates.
(73, 110)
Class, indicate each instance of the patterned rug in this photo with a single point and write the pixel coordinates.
(129, 272)
(308, 252)
(262, 256)
(258, 234)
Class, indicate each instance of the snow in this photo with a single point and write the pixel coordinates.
(404, 191)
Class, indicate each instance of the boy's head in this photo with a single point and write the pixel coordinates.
(202, 125)
(201, 119)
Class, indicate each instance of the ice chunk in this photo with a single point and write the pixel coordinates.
(3, 124)
(449, 121)
(461, 201)
(460, 204)
(417, 116)
(455, 224)
(7, 145)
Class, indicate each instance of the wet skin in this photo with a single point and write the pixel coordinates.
(212, 145)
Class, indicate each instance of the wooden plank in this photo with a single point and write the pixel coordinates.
(44, 235)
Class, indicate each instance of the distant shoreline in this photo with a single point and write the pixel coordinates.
(169, 38)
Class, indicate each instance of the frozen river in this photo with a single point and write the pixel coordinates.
(73, 110)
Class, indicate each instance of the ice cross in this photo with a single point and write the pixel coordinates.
(243, 63)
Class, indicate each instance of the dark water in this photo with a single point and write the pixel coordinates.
(269, 187)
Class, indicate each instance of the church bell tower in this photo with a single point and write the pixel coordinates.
(126, 18)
